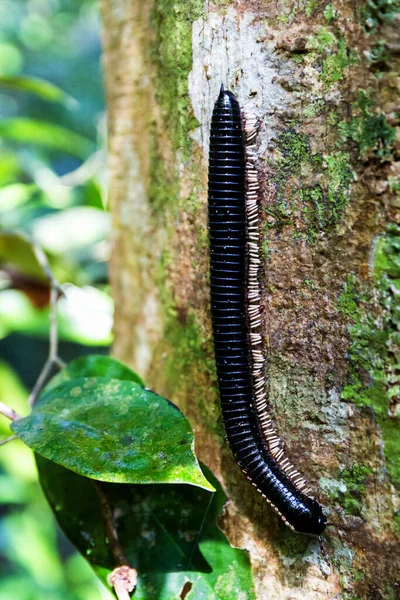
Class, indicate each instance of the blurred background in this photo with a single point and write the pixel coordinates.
(52, 190)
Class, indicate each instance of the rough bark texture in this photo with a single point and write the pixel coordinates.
(322, 79)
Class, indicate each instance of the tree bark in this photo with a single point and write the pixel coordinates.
(322, 79)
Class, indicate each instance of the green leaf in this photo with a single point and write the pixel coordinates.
(94, 365)
(14, 195)
(9, 167)
(168, 534)
(113, 431)
(43, 133)
(40, 87)
(17, 251)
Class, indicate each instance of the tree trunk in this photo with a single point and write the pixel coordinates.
(321, 78)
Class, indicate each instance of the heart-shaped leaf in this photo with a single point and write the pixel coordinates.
(167, 533)
(94, 365)
(112, 430)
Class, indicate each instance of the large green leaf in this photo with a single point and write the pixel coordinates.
(168, 534)
(114, 431)
(44, 133)
(94, 365)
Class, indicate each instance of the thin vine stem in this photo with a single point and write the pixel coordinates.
(123, 578)
(6, 440)
(53, 360)
(8, 412)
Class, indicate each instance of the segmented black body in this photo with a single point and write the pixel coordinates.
(228, 243)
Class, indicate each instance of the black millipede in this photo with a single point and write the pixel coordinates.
(233, 221)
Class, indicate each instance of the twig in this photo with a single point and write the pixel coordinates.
(59, 362)
(109, 526)
(53, 350)
(44, 263)
(41, 380)
(8, 412)
(6, 440)
(123, 579)
(55, 292)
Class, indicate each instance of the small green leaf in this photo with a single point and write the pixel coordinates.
(17, 251)
(44, 133)
(14, 195)
(9, 167)
(168, 534)
(94, 365)
(113, 431)
(40, 87)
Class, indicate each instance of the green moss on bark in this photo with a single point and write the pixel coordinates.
(172, 56)
(355, 479)
(291, 544)
(351, 490)
(185, 358)
(376, 12)
(330, 52)
(330, 13)
(371, 131)
(163, 188)
(171, 50)
(374, 351)
(333, 66)
(295, 150)
(322, 204)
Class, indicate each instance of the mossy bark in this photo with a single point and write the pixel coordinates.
(322, 78)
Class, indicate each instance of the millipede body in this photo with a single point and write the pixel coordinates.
(236, 318)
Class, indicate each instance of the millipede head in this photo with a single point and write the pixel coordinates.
(315, 521)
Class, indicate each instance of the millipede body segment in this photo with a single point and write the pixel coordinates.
(236, 317)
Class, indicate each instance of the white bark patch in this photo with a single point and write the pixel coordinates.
(147, 333)
(221, 45)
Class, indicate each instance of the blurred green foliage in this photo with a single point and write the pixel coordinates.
(52, 190)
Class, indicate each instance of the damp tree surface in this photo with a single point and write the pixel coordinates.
(322, 79)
